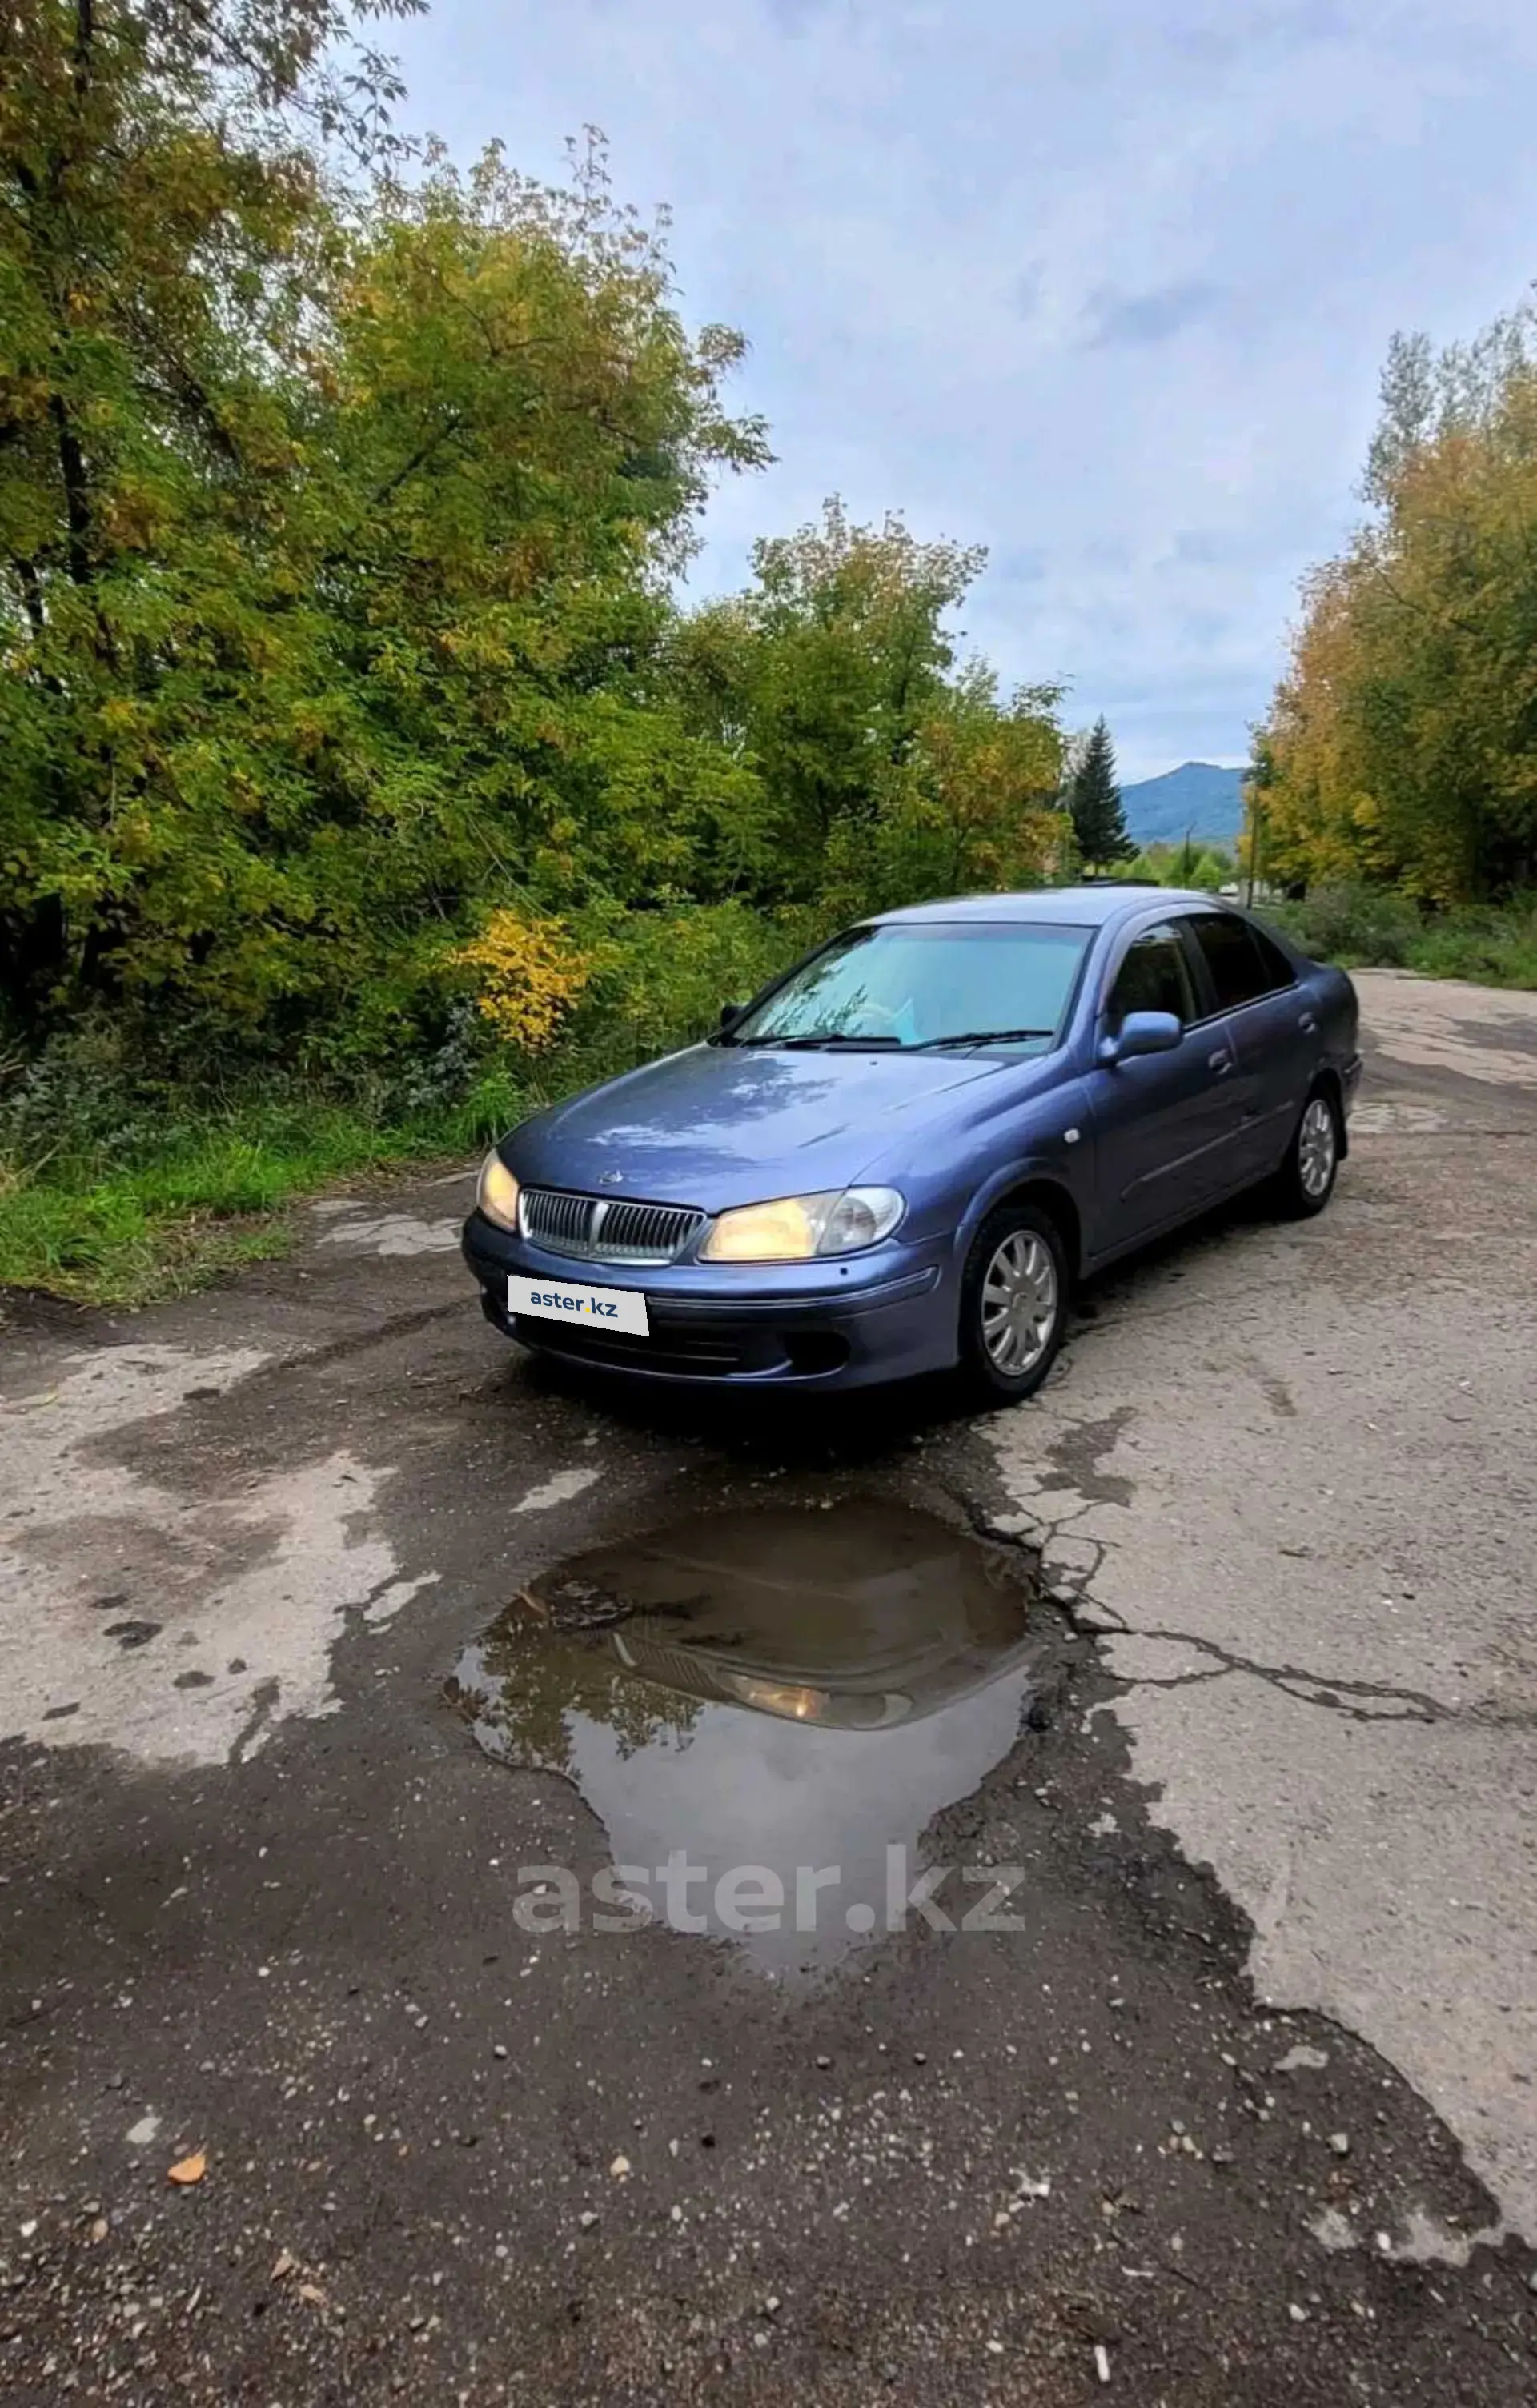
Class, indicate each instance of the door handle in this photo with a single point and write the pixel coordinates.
(1221, 1062)
(1306, 1021)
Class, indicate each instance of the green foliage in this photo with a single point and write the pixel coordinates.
(1352, 923)
(1212, 872)
(882, 771)
(1363, 924)
(660, 978)
(1094, 802)
(1402, 744)
(343, 499)
(116, 1187)
(346, 621)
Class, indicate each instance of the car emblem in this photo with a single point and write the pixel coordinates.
(612, 1178)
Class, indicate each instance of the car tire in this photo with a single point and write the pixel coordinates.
(1014, 1308)
(1305, 1181)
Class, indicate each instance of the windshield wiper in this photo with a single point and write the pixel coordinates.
(826, 1037)
(984, 1036)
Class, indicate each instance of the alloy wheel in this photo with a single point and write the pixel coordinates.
(1316, 1147)
(1019, 1303)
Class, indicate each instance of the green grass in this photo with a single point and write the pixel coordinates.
(100, 1223)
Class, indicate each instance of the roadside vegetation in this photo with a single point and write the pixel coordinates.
(364, 774)
(367, 775)
(1394, 787)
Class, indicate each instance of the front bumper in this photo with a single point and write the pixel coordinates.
(889, 1315)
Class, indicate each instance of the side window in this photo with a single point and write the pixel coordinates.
(1154, 977)
(1232, 956)
(1279, 971)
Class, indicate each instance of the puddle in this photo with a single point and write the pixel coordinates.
(771, 1694)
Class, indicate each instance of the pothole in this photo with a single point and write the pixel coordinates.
(767, 1709)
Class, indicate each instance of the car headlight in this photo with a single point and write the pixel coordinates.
(796, 1703)
(498, 1193)
(796, 1229)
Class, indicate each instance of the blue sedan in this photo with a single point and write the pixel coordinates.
(902, 1155)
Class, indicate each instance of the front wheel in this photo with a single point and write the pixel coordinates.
(1014, 1304)
(1306, 1179)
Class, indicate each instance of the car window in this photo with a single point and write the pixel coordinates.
(1279, 970)
(927, 983)
(1231, 950)
(1154, 976)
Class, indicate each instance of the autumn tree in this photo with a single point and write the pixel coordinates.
(164, 235)
(334, 539)
(343, 499)
(887, 769)
(1402, 745)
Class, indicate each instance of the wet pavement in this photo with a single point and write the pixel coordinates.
(336, 1642)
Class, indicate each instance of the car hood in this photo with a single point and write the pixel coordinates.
(723, 1124)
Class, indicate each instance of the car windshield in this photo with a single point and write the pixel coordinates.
(927, 983)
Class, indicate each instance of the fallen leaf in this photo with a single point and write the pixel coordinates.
(284, 2264)
(188, 2170)
(312, 2292)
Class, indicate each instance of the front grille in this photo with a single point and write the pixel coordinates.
(596, 1229)
(671, 1668)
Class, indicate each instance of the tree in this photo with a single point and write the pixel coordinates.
(886, 770)
(1401, 744)
(971, 808)
(340, 653)
(1094, 801)
(373, 633)
(850, 657)
(165, 237)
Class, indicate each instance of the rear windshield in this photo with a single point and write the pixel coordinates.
(927, 982)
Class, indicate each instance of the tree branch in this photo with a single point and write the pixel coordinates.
(76, 487)
(420, 457)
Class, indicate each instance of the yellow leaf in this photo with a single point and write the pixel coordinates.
(188, 2170)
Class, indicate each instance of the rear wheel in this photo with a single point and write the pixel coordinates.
(1013, 1303)
(1306, 1179)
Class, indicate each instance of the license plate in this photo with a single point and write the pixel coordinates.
(589, 1308)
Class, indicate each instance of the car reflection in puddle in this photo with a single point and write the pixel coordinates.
(791, 1690)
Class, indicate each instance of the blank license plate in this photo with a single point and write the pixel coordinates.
(590, 1308)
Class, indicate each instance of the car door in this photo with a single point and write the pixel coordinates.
(1164, 1123)
(1267, 1014)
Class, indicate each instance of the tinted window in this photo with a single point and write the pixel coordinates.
(1279, 970)
(1154, 977)
(1231, 952)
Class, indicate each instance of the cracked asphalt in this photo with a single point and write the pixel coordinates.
(1242, 2109)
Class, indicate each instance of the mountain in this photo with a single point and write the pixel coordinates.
(1197, 796)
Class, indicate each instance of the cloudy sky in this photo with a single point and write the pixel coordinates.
(1103, 285)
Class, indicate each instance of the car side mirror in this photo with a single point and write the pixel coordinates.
(1141, 1032)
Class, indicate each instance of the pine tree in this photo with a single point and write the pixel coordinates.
(1094, 799)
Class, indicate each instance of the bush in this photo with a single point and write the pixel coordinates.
(1369, 926)
(116, 1186)
(1352, 924)
(1498, 947)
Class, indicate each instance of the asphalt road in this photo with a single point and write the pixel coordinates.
(1240, 2109)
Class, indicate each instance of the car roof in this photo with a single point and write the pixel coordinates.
(1079, 907)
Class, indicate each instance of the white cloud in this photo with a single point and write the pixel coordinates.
(1057, 278)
